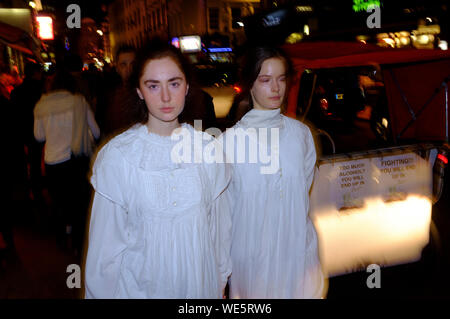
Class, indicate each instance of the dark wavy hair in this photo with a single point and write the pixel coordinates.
(63, 80)
(153, 50)
(250, 68)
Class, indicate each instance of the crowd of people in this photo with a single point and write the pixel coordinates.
(161, 228)
(55, 119)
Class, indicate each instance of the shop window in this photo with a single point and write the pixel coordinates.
(348, 105)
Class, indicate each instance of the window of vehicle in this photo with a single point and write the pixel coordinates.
(347, 108)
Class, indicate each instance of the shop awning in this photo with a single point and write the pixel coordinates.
(16, 38)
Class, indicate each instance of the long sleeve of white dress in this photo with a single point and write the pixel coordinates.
(220, 223)
(107, 242)
(220, 220)
(310, 159)
(314, 286)
(108, 228)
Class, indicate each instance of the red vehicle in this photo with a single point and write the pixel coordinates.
(380, 118)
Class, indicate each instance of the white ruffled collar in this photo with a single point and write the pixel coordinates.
(143, 132)
(150, 151)
(262, 118)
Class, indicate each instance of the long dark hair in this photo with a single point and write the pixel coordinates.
(154, 49)
(250, 68)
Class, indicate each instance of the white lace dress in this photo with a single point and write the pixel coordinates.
(274, 243)
(158, 229)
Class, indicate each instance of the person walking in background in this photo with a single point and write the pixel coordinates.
(66, 123)
(12, 168)
(274, 246)
(23, 100)
(159, 228)
(199, 106)
(113, 111)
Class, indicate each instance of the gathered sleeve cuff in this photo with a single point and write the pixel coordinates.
(107, 245)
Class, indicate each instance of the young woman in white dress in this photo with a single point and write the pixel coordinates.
(274, 243)
(159, 228)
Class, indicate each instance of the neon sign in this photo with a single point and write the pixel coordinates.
(45, 27)
(363, 5)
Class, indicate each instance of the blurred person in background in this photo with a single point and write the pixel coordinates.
(66, 123)
(113, 113)
(199, 106)
(23, 100)
(11, 170)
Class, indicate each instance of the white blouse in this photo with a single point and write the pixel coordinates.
(274, 244)
(56, 127)
(158, 229)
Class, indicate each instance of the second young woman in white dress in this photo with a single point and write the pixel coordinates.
(274, 243)
(159, 228)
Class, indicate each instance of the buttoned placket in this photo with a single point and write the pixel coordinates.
(172, 188)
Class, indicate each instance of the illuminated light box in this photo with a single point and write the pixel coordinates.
(45, 27)
(190, 44)
(371, 211)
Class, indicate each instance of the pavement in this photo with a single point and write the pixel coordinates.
(36, 268)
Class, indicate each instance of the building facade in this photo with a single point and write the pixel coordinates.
(226, 17)
(132, 22)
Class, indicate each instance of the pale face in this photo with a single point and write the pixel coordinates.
(125, 62)
(163, 87)
(269, 88)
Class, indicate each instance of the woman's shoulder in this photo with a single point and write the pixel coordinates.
(119, 146)
(297, 125)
